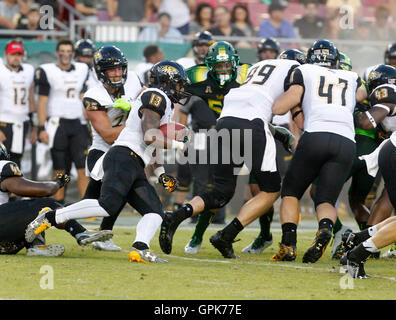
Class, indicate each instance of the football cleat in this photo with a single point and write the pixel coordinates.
(107, 245)
(52, 250)
(224, 246)
(356, 269)
(193, 246)
(145, 256)
(391, 253)
(349, 241)
(318, 247)
(38, 225)
(337, 250)
(257, 246)
(88, 237)
(285, 253)
(168, 229)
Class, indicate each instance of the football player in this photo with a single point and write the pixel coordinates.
(200, 45)
(84, 50)
(60, 88)
(209, 84)
(107, 107)
(268, 48)
(17, 104)
(246, 108)
(325, 151)
(124, 179)
(283, 157)
(16, 215)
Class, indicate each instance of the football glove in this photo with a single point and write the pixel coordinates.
(62, 179)
(286, 137)
(122, 104)
(168, 182)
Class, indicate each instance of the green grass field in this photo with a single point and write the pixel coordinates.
(84, 273)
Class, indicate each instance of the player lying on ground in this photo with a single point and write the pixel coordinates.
(16, 215)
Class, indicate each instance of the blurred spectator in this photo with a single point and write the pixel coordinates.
(127, 10)
(21, 16)
(32, 20)
(166, 33)
(310, 26)
(332, 27)
(240, 19)
(90, 8)
(152, 54)
(363, 29)
(276, 26)
(223, 26)
(8, 10)
(203, 18)
(381, 29)
(179, 10)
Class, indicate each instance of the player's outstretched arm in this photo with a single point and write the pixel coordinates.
(28, 188)
(369, 119)
(102, 125)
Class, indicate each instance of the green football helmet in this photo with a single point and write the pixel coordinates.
(345, 62)
(222, 62)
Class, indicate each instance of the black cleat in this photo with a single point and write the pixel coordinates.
(349, 241)
(318, 247)
(356, 268)
(224, 246)
(168, 229)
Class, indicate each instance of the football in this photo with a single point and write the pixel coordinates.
(174, 131)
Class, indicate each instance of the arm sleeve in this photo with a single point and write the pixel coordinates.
(92, 105)
(154, 101)
(41, 81)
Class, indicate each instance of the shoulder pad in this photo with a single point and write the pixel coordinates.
(242, 72)
(197, 73)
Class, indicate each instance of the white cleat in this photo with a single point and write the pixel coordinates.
(257, 248)
(51, 250)
(88, 237)
(390, 254)
(192, 247)
(107, 245)
(337, 242)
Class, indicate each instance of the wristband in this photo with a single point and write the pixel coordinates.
(178, 145)
(371, 119)
(159, 171)
(40, 128)
(295, 114)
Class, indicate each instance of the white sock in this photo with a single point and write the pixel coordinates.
(369, 245)
(147, 227)
(86, 208)
(372, 230)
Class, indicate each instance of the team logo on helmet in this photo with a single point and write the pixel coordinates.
(169, 69)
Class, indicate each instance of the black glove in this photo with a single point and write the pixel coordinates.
(168, 182)
(62, 179)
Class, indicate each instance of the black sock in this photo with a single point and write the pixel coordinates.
(326, 223)
(289, 234)
(362, 225)
(265, 224)
(73, 227)
(50, 215)
(184, 212)
(232, 229)
(362, 235)
(108, 222)
(359, 254)
(140, 245)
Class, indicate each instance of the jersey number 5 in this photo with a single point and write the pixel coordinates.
(325, 90)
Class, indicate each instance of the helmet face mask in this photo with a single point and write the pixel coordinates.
(390, 55)
(170, 77)
(107, 58)
(345, 62)
(222, 62)
(324, 53)
(4, 155)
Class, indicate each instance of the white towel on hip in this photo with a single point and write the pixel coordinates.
(269, 160)
(17, 138)
(51, 126)
(97, 172)
(372, 160)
